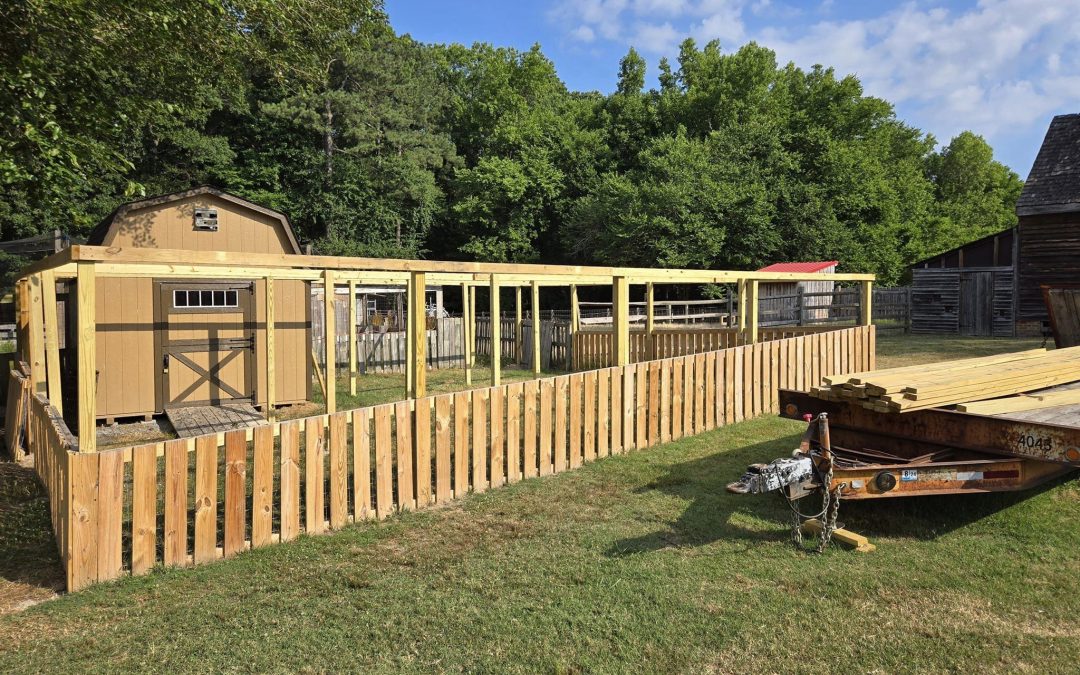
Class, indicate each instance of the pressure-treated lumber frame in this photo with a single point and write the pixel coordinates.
(87, 263)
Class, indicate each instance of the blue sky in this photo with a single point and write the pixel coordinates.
(1001, 68)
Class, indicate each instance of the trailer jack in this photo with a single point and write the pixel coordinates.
(807, 472)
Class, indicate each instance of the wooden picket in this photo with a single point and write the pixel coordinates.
(394, 457)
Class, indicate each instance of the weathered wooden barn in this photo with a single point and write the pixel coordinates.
(992, 286)
(1048, 241)
(164, 344)
(797, 301)
(967, 290)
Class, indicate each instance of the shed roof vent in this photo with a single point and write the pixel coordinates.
(206, 219)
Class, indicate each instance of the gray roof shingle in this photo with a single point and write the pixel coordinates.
(1053, 186)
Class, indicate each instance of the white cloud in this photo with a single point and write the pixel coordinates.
(583, 33)
(655, 39)
(993, 67)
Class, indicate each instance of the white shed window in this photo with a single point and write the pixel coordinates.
(205, 298)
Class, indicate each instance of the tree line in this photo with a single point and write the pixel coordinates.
(378, 145)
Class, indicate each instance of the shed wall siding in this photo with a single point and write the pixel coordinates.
(172, 225)
(1049, 253)
(127, 354)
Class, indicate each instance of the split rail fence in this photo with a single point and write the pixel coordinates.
(194, 500)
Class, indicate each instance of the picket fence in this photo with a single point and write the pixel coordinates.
(194, 500)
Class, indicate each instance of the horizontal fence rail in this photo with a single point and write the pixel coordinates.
(194, 500)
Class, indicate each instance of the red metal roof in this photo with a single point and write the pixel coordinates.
(806, 267)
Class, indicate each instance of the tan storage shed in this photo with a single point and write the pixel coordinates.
(165, 343)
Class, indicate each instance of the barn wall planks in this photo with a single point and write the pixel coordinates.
(962, 301)
(398, 456)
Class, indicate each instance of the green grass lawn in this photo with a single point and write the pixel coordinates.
(639, 562)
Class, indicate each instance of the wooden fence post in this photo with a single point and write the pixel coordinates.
(753, 306)
(650, 321)
(86, 306)
(330, 344)
(268, 348)
(52, 341)
(866, 306)
(620, 306)
(742, 305)
(575, 325)
(535, 309)
(519, 348)
(417, 335)
(800, 305)
(466, 322)
(496, 334)
(352, 338)
(37, 338)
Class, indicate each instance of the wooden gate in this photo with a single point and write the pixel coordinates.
(205, 342)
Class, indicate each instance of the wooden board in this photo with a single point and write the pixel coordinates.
(262, 485)
(235, 492)
(190, 421)
(206, 498)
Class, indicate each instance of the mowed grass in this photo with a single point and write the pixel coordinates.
(634, 563)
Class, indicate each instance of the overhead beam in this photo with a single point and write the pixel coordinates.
(291, 261)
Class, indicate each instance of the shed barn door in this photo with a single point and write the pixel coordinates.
(206, 337)
(977, 303)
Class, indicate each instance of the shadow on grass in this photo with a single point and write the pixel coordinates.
(30, 568)
(710, 517)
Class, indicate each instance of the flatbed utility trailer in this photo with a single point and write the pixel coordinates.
(938, 451)
(850, 453)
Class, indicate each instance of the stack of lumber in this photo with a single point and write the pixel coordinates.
(953, 382)
(1011, 404)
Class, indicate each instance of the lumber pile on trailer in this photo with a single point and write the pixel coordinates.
(953, 382)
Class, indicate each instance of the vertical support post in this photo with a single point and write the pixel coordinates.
(22, 318)
(52, 340)
(329, 321)
(730, 306)
(866, 313)
(86, 305)
(620, 307)
(575, 323)
(410, 330)
(269, 349)
(650, 320)
(752, 305)
(800, 304)
(466, 323)
(496, 334)
(352, 338)
(417, 338)
(472, 329)
(535, 309)
(37, 337)
(742, 305)
(519, 348)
